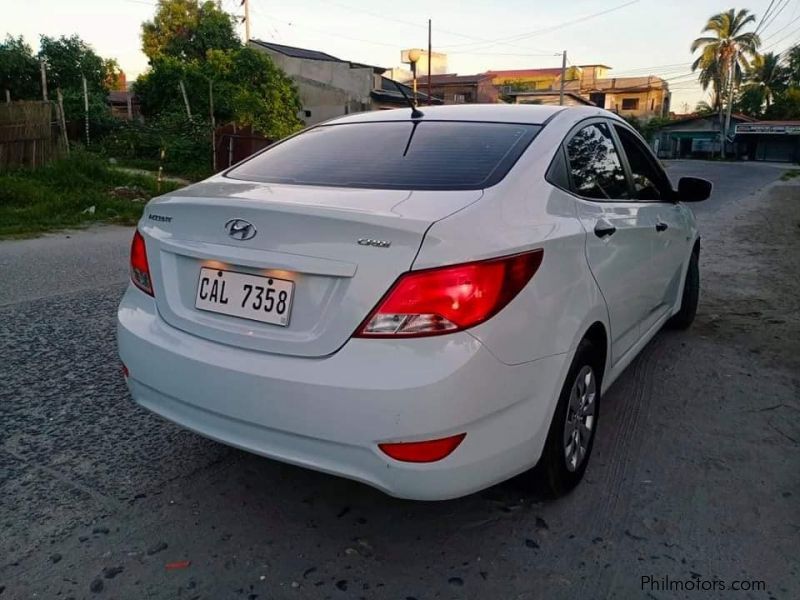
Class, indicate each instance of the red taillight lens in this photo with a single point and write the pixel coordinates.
(448, 299)
(140, 270)
(422, 452)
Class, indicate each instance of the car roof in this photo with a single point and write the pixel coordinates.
(535, 114)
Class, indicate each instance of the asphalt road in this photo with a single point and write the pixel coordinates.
(695, 476)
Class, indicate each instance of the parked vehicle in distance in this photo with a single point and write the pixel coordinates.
(427, 305)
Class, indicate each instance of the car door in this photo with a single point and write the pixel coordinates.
(619, 233)
(671, 235)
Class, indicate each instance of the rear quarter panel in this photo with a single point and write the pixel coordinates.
(524, 212)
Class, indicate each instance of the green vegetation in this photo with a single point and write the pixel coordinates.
(195, 45)
(789, 175)
(72, 192)
(67, 61)
(190, 46)
(728, 51)
(763, 86)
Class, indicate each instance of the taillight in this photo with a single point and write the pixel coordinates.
(423, 452)
(447, 299)
(140, 270)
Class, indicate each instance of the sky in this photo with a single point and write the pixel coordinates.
(634, 37)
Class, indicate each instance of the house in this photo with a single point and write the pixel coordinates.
(528, 80)
(640, 97)
(551, 97)
(769, 140)
(698, 136)
(328, 86)
(124, 104)
(389, 96)
(461, 89)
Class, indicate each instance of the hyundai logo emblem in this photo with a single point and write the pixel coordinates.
(239, 229)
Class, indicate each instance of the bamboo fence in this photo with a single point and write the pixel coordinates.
(28, 134)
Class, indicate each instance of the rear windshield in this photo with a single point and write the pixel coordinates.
(423, 155)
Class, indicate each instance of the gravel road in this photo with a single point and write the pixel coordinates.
(695, 476)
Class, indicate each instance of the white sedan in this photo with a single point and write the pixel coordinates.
(428, 304)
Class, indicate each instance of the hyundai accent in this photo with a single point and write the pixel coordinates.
(427, 302)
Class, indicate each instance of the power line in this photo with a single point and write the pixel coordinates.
(518, 37)
(776, 32)
(764, 16)
(384, 17)
(776, 14)
(788, 35)
(322, 31)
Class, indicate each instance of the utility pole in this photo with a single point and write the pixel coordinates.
(182, 88)
(246, 4)
(44, 80)
(429, 62)
(213, 124)
(62, 119)
(563, 77)
(86, 108)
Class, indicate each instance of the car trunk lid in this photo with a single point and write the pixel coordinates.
(342, 248)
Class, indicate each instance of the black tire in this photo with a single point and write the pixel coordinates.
(555, 474)
(691, 296)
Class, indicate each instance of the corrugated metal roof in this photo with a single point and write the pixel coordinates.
(296, 52)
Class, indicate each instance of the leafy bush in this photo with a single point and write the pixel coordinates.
(186, 144)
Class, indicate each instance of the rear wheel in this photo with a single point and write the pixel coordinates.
(691, 295)
(572, 431)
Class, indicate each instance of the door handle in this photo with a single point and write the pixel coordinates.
(604, 229)
(661, 226)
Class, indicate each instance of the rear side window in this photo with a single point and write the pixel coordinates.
(423, 155)
(595, 166)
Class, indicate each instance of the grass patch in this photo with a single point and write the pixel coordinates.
(61, 194)
(789, 175)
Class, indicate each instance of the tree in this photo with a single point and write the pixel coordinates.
(767, 76)
(729, 50)
(793, 61)
(196, 45)
(786, 107)
(248, 89)
(187, 30)
(69, 60)
(19, 70)
(704, 108)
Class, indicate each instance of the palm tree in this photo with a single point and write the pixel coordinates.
(729, 49)
(768, 76)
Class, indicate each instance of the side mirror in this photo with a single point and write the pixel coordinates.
(693, 189)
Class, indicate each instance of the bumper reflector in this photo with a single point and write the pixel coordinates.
(423, 452)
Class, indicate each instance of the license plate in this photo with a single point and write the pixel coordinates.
(265, 299)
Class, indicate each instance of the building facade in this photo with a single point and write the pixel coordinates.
(328, 86)
(461, 89)
(698, 136)
(769, 140)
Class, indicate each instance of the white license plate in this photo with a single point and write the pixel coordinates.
(254, 297)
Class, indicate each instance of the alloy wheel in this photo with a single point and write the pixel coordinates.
(580, 420)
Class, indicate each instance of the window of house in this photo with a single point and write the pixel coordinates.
(649, 183)
(630, 104)
(595, 165)
(459, 98)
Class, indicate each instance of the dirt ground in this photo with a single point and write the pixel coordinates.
(695, 475)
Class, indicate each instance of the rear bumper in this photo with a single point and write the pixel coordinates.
(330, 413)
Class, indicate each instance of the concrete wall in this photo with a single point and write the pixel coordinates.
(327, 89)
